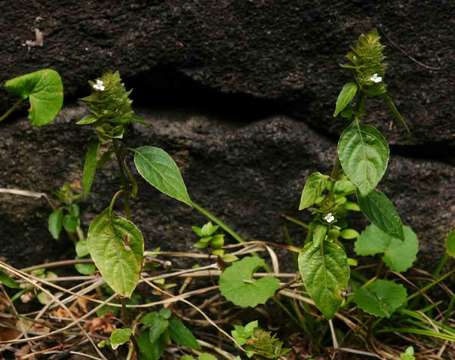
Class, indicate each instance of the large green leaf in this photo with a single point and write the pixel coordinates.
(380, 211)
(181, 335)
(399, 255)
(380, 298)
(346, 95)
(88, 174)
(116, 246)
(158, 168)
(44, 89)
(237, 283)
(313, 189)
(364, 154)
(325, 273)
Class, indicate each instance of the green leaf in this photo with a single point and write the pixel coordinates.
(44, 89)
(120, 337)
(206, 356)
(82, 248)
(116, 246)
(8, 281)
(346, 95)
(364, 154)
(88, 174)
(160, 170)
(242, 334)
(450, 244)
(380, 211)
(349, 234)
(148, 350)
(85, 269)
(408, 354)
(325, 273)
(381, 298)
(157, 324)
(70, 223)
(313, 189)
(181, 335)
(399, 255)
(238, 286)
(55, 223)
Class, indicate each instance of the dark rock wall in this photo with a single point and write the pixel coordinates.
(249, 87)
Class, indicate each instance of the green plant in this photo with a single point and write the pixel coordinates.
(363, 155)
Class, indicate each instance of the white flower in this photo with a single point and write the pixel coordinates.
(376, 78)
(99, 85)
(329, 218)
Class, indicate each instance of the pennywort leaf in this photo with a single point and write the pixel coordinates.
(313, 189)
(55, 223)
(238, 285)
(363, 154)
(381, 298)
(380, 211)
(346, 95)
(399, 255)
(88, 174)
(159, 169)
(116, 246)
(325, 273)
(44, 89)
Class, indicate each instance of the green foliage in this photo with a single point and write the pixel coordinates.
(88, 174)
(399, 255)
(181, 335)
(8, 281)
(380, 211)
(119, 337)
(313, 189)
(345, 97)
(116, 246)
(450, 244)
(408, 354)
(258, 342)
(55, 223)
(325, 273)
(364, 154)
(160, 170)
(238, 285)
(380, 298)
(208, 237)
(44, 89)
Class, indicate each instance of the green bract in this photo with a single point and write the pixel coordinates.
(399, 255)
(381, 298)
(364, 154)
(44, 89)
(157, 167)
(238, 286)
(116, 246)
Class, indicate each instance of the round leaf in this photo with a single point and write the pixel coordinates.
(158, 168)
(380, 298)
(238, 286)
(44, 89)
(364, 154)
(116, 246)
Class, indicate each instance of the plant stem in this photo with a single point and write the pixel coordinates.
(123, 177)
(219, 222)
(15, 106)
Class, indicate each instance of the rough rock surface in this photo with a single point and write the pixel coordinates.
(247, 173)
(286, 50)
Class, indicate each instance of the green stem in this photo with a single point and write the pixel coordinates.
(15, 106)
(218, 221)
(296, 221)
(430, 285)
(441, 265)
(395, 112)
(123, 177)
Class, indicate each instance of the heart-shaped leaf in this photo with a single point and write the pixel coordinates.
(363, 154)
(238, 286)
(380, 298)
(44, 89)
(116, 246)
(158, 168)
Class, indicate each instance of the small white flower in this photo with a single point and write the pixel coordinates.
(329, 218)
(376, 78)
(99, 85)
